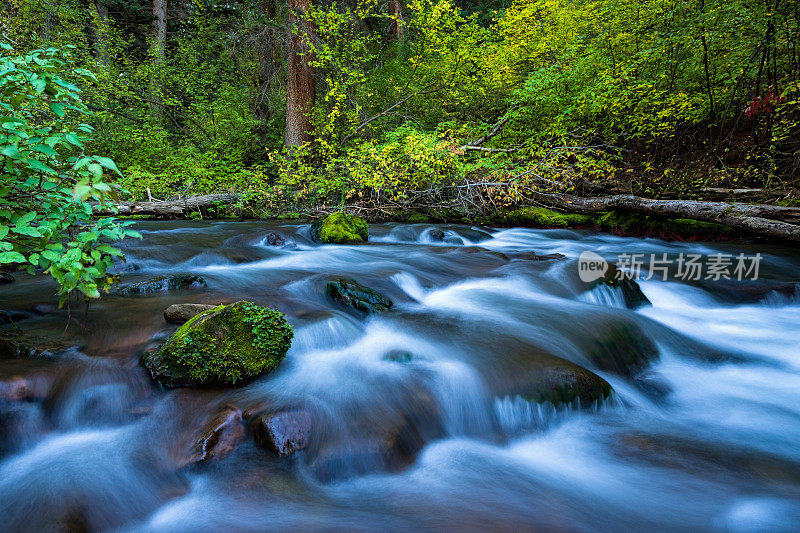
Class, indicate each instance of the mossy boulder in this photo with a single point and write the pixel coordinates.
(165, 283)
(546, 218)
(357, 296)
(227, 345)
(340, 228)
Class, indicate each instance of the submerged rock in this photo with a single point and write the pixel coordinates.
(5, 277)
(181, 313)
(227, 345)
(557, 380)
(274, 239)
(15, 343)
(219, 437)
(284, 433)
(623, 348)
(165, 283)
(436, 235)
(357, 296)
(17, 389)
(533, 256)
(340, 228)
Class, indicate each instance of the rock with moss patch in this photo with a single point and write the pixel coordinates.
(227, 345)
(557, 381)
(353, 294)
(165, 283)
(340, 228)
(15, 343)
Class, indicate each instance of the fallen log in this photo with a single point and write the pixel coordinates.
(173, 208)
(765, 220)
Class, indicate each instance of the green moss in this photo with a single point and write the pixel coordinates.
(547, 218)
(418, 218)
(225, 345)
(652, 225)
(340, 228)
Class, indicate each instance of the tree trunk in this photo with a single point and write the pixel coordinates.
(753, 219)
(396, 23)
(159, 30)
(101, 33)
(300, 92)
(172, 208)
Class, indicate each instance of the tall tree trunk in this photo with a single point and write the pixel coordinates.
(396, 23)
(159, 42)
(300, 92)
(101, 32)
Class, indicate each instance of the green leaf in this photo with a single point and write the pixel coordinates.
(11, 257)
(58, 109)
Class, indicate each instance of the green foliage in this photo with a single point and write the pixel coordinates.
(51, 186)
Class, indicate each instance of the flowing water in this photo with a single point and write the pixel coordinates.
(707, 439)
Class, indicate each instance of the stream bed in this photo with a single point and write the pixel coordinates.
(704, 436)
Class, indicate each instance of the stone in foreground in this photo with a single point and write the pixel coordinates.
(165, 283)
(340, 228)
(284, 433)
(227, 345)
(182, 313)
(219, 437)
(357, 296)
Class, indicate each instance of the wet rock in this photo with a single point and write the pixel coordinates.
(436, 235)
(11, 316)
(533, 256)
(165, 283)
(284, 433)
(388, 439)
(227, 345)
(623, 348)
(17, 389)
(357, 296)
(631, 292)
(5, 277)
(220, 436)
(479, 250)
(274, 239)
(555, 380)
(44, 309)
(15, 344)
(182, 313)
(340, 228)
(399, 356)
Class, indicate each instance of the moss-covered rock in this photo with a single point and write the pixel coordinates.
(15, 343)
(165, 283)
(546, 218)
(418, 218)
(340, 228)
(357, 296)
(227, 345)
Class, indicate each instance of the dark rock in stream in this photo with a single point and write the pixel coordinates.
(547, 378)
(12, 317)
(220, 436)
(357, 296)
(623, 347)
(436, 235)
(274, 239)
(631, 292)
(533, 256)
(182, 313)
(284, 432)
(228, 345)
(15, 344)
(5, 277)
(165, 283)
